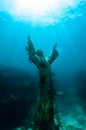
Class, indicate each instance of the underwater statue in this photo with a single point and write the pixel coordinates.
(44, 115)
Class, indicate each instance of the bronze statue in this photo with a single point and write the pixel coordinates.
(44, 116)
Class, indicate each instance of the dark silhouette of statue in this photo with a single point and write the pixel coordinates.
(44, 115)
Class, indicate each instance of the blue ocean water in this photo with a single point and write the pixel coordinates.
(69, 31)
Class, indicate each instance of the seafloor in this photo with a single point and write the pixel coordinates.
(18, 92)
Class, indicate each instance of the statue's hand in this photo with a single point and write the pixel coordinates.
(55, 45)
(29, 41)
(29, 37)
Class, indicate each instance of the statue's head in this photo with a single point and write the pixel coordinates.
(39, 53)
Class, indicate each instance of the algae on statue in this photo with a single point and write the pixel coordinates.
(44, 115)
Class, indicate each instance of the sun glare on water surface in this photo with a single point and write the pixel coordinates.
(39, 10)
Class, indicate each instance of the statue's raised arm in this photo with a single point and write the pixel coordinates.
(54, 54)
(31, 52)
